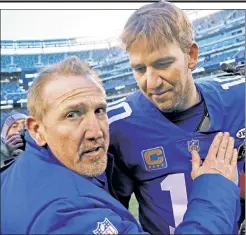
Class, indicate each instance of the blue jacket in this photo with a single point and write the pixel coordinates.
(41, 196)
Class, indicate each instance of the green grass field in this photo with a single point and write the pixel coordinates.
(133, 207)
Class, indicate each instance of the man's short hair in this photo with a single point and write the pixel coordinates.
(159, 23)
(71, 66)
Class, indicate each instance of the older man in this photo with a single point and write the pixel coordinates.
(59, 185)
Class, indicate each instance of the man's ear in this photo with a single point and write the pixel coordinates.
(35, 129)
(193, 55)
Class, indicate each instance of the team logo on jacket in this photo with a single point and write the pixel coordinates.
(241, 151)
(154, 158)
(105, 227)
(193, 145)
(241, 133)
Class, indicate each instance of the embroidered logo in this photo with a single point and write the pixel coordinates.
(193, 145)
(154, 158)
(105, 227)
(241, 133)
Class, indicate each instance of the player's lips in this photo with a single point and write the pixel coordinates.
(160, 93)
(92, 152)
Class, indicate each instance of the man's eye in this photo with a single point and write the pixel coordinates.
(73, 114)
(101, 110)
(140, 69)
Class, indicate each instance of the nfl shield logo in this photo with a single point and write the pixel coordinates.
(193, 145)
(105, 227)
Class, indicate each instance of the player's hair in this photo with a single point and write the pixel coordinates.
(159, 23)
(71, 66)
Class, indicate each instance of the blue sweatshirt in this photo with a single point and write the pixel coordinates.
(39, 195)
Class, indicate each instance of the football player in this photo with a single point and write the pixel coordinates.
(153, 131)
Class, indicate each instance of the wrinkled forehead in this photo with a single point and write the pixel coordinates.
(146, 45)
(141, 53)
(79, 99)
(93, 96)
(73, 89)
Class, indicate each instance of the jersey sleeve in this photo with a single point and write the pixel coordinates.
(81, 215)
(213, 207)
(122, 184)
(122, 181)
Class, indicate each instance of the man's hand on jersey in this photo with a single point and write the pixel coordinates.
(221, 158)
(14, 142)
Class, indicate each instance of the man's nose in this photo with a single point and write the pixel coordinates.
(93, 128)
(153, 79)
(20, 127)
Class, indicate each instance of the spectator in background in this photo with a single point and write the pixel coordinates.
(11, 133)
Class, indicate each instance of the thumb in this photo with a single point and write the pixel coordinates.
(196, 161)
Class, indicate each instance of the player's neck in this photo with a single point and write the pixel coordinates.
(193, 97)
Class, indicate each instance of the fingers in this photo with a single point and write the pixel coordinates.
(214, 147)
(196, 162)
(13, 140)
(223, 147)
(18, 145)
(229, 151)
(234, 158)
(221, 158)
(13, 134)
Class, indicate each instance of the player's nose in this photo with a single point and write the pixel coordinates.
(153, 80)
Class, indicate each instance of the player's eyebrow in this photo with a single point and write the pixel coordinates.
(65, 108)
(136, 65)
(103, 104)
(164, 60)
(84, 106)
(159, 60)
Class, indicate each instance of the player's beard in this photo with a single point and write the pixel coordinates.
(179, 101)
(183, 98)
(96, 167)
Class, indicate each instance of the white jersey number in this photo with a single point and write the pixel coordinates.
(176, 185)
(126, 111)
(231, 81)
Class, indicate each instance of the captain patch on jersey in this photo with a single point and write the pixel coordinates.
(154, 158)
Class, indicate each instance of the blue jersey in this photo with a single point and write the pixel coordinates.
(153, 155)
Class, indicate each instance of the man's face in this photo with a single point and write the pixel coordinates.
(16, 127)
(162, 74)
(76, 125)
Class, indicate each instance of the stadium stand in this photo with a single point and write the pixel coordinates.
(220, 36)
